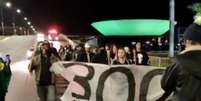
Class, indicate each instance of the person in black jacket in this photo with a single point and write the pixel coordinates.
(101, 56)
(40, 64)
(68, 52)
(183, 78)
(85, 55)
(141, 57)
(54, 50)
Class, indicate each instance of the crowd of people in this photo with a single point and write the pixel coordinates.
(105, 54)
(181, 78)
(45, 55)
(162, 44)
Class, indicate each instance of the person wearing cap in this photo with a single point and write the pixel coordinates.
(41, 63)
(183, 78)
(86, 54)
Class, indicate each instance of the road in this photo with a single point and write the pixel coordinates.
(22, 86)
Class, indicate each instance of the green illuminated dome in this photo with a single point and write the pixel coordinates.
(138, 27)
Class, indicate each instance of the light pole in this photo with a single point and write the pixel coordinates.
(8, 5)
(14, 25)
(2, 21)
(18, 11)
(28, 31)
(25, 30)
(172, 28)
(2, 16)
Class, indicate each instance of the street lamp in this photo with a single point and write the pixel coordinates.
(14, 25)
(8, 4)
(25, 18)
(29, 23)
(2, 21)
(18, 11)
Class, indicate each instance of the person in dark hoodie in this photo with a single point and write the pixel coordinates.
(183, 78)
(85, 55)
(101, 56)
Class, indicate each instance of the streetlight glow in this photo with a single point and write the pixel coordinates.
(25, 18)
(8, 4)
(18, 11)
(29, 23)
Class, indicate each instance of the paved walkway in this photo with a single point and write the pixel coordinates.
(22, 86)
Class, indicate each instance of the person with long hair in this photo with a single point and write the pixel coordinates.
(121, 58)
(113, 54)
(62, 52)
(40, 64)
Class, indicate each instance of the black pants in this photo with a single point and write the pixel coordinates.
(46, 93)
(2, 96)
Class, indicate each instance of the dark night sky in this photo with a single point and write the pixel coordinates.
(75, 16)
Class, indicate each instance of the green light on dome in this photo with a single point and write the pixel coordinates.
(139, 27)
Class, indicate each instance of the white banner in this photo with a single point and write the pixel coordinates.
(98, 82)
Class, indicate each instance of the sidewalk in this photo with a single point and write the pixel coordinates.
(22, 87)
